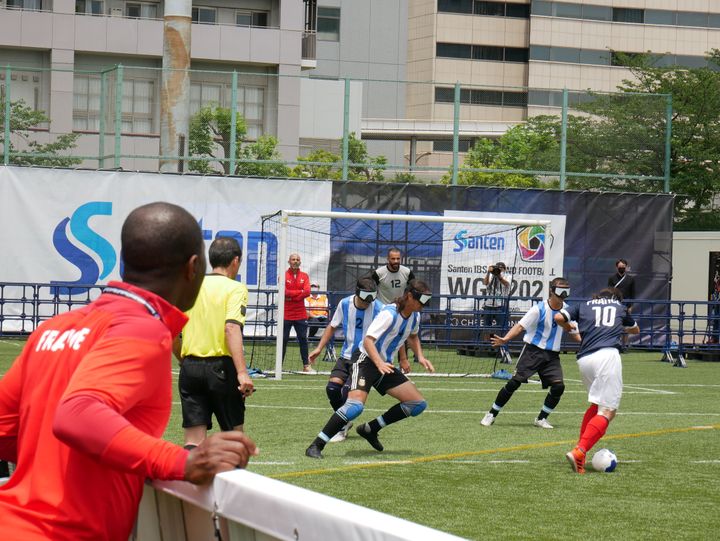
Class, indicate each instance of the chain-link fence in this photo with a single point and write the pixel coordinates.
(257, 123)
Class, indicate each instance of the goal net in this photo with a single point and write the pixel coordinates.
(452, 253)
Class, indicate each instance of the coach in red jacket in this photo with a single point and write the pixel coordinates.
(83, 407)
(297, 289)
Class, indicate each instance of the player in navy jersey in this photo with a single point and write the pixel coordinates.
(354, 314)
(373, 367)
(540, 354)
(602, 322)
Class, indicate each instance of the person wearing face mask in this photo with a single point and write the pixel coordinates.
(623, 281)
(540, 354)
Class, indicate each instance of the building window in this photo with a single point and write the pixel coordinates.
(86, 103)
(251, 18)
(250, 103)
(481, 52)
(486, 97)
(487, 52)
(29, 5)
(328, 24)
(484, 8)
(542, 7)
(570, 11)
(597, 13)
(90, 7)
(628, 15)
(687, 18)
(138, 102)
(453, 50)
(657, 16)
(204, 15)
(520, 11)
(516, 54)
(141, 10)
(490, 9)
(446, 145)
(493, 98)
(455, 6)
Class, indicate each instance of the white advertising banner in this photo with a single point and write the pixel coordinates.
(469, 249)
(63, 226)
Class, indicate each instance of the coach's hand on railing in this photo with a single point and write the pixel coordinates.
(222, 451)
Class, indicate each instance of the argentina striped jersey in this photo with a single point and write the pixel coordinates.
(540, 327)
(390, 331)
(354, 322)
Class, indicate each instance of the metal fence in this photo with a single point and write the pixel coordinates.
(349, 129)
(678, 327)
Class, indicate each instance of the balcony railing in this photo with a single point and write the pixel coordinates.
(309, 44)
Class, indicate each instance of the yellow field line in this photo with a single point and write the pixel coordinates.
(465, 454)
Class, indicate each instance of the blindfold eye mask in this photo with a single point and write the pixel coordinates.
(367, 296)
(422, 298)
(562, 292)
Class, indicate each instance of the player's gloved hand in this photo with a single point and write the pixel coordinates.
(222, 451)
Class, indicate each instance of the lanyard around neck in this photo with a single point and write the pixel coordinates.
(133, 297)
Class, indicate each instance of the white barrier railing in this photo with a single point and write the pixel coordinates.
(247, 506)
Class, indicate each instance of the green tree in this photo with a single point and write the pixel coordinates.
(621, 135)
(210, 137)
(533, 146)
(265, 148)
(695, 154)
(22, 121)
(330, 166)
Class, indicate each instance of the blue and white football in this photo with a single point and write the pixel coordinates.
(604, 460)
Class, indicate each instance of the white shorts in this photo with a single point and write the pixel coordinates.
(601, 371)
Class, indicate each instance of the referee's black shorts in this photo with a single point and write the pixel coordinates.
(210, 386)
(543, 362)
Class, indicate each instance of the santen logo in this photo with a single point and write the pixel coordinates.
(77, 224)
(77, 243)
(477, 242)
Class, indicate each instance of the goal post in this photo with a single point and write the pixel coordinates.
(451, 252)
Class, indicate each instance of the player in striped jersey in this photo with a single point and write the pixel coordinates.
(373, 367)
(540, 354)
(354, 314)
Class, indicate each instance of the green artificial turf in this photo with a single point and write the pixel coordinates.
(511, 480)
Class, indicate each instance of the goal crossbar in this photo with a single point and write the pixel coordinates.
(409, 218)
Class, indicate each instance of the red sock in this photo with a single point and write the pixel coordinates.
(589, 414)
(594, 430)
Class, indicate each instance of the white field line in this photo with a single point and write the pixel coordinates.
(460, 462)
(494, 383)
(352, 463)
(493, 389)
(483, 411)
